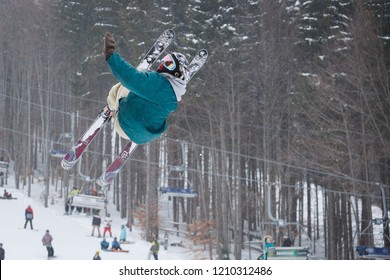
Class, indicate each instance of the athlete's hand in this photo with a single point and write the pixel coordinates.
(108, 111)
(109, 45)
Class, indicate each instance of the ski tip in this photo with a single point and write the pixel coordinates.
(203, 53)
(170, 33)
(66, 164)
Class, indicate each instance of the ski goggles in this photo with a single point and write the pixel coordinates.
(169, 62)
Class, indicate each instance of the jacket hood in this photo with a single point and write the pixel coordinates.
(178, 85)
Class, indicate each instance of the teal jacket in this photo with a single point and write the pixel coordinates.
(143, 113)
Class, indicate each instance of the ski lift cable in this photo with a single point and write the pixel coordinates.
(220, 174)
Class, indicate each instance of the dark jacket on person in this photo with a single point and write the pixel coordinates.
(2, 254)
(287, 242)
(96, 220)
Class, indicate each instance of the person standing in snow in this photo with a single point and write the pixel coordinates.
(46, 241)
(123, 233)
(29, 215)
(68, 204)
(96, 221)
(141, 102)
(107, 227)
(166, 241)
(155, 248)
(74, 191)
(2, 252)
(97, 257)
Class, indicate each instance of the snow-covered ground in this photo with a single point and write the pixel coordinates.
(71, 233)
(72, 241)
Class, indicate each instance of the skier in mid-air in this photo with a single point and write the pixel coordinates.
(141, 102)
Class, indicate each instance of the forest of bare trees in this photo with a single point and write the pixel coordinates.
(285, 131)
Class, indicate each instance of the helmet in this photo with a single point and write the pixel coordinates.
(174, 64)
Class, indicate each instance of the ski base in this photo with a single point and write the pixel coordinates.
(197, 62)
(113, 169)
(78, 149)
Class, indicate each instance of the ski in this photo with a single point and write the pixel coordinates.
(119, 161)
(126, 242)
(76, 151)
(115, 251)
(112, 170)
(197, 62)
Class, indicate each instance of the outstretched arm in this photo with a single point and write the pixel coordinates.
(131, 78)
(126, 74)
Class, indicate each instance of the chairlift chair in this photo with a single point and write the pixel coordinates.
(4, 163)
(58, 148)
(178, 192)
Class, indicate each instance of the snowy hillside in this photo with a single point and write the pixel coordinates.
(71, 234)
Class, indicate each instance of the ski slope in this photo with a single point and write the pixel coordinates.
(71, 233)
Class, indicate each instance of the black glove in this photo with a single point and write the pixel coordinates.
(109, 45)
